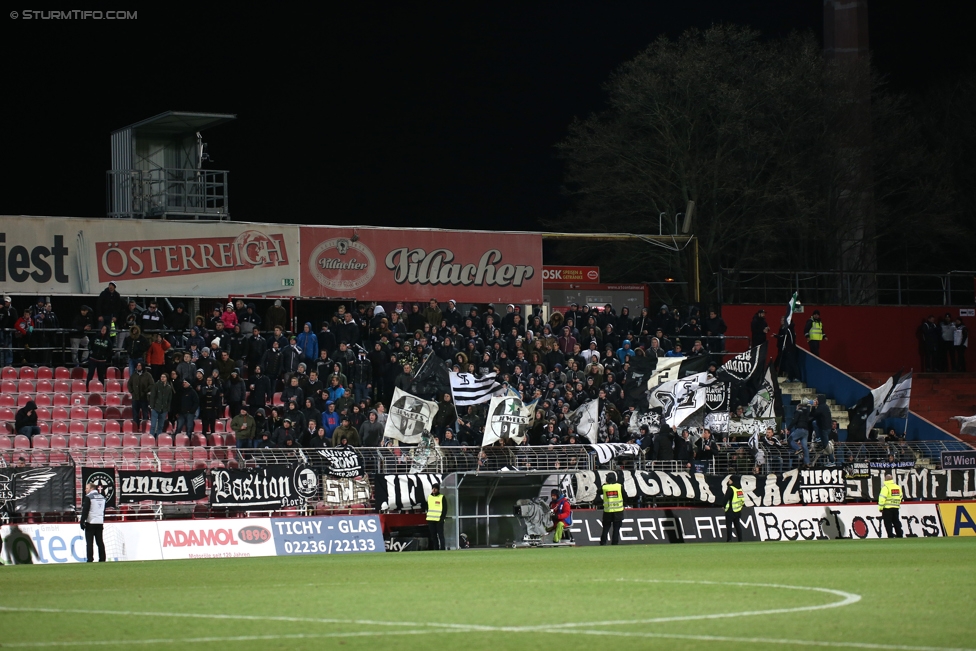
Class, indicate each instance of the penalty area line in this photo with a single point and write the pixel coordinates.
(235, 638)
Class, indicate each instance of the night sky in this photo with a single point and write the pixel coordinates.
(399, 114)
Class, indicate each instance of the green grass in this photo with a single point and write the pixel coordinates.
(913, 593)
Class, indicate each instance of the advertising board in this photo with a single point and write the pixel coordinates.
(854, 522)
(327, 535)
(553, 274)
(958, 518)
(230, 538)
(64, 255)
(65, 543)
(652, 526)
(385, 264)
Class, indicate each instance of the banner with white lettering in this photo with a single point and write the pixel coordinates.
(403, 492)
(341, 462)
(655, 526)
(265, 488)
(605, 452)
(145, 485)
(345, 491)
(917, 484)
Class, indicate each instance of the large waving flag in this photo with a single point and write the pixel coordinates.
(791, 308)
(469, 389)
(410, 417)
(681, 399)
(508, 418)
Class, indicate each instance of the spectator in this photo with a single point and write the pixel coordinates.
(786, 359)
(675, 352)
(814, 332)
(372, 431)
(110, 306)
(931, 336)
(99, 356)
(234, 391)
(189, 404)
(960, 342)
(276, 316)
(156, 355)
(229, 317)
(320, 440)
(706, 447)
(25, 421)
(260, 388)
(800, 430)
(362, 377)
(140, 385)
(284, 436)
(346, 431)
(330, 419)
(81, 327)
(136, 346)
(308, 342)
(152, 319)
(160, 402)
(759, 328)
(8, 318)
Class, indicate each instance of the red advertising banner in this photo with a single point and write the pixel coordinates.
(382, 264)
(570, 274)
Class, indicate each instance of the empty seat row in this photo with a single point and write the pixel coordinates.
(58, 373)
(61, 386)
(113, 440)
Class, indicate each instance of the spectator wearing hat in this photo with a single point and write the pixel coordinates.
(284, 436)
(243, 426)
(346, 431)
(229, 317)
(81, 327)
(276, 316)
(814, 332)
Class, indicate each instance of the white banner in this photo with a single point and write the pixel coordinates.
(855, 522)
(65, 543)
(508, 418)
(64, 255)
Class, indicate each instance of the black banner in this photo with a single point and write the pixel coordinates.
(340, 462)
(145, 485)
(917, 484)
(403, 492)
(50, 489)
(267, 488)
(650, 526)
(104, 481)
(793, 487)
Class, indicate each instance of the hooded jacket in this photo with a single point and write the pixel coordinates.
(26, 416)
(308, 341)
(161, 396)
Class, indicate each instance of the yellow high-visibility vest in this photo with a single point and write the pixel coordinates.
(816, 331)
(613, 498)
(435, 507)
(738, 499)
(890, 497)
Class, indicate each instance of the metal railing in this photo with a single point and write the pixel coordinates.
(168, 192)
(844, 288)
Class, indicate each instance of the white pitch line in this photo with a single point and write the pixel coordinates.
(236, 638)
(766, 640)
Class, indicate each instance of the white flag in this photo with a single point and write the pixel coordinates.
(761, 406)
(409, 417)
(468, 389)
(890, 400)
(508, 418)
(587, 419)
(681, 399)
(791, 308)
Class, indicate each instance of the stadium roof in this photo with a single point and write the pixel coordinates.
(179, 122)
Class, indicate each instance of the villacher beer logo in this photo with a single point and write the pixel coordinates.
(342, 264)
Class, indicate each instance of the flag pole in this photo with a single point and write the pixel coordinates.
(904, 433)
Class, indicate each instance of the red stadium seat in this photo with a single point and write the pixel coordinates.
(59, 413)
(113, 441)
(166, 466)
(62, 386)
(96, 427)
(127, 413)
(45, 386)
(113, 386)
(182, 454)
(113, 399)
(6, 443)
(93, 440)
(44, 426)
(58, 441)
(79, 399)
(113, 373)
(25, 386)
(77, 441)
(39, 457)
(111, 456)
(8, 373)
(78, 427)
(45, 373)
(43, 413)
(200, 453)
(113, 412)
(199, 464)
(230, 440)
(59, 427)
(79, 413)
(128, 427)
(130, 441)
(61, 400)
(27, 373)
(125, 373)
(165, 454)
(8, 400)
(62, 373)
(95, 386)
(147, 441)
(95, 399)
(215, 440)
(112, 426)
(147, 454)
(21, 442)
(220, 426)
(164, 440)
(198, 440)
(43, 400)
(78, 386)
(216, 464)
(58, 458)
(146, 426)
(95, 413)
(181, 440)
(23, 399)
(6, 413)
(8, 386)
(40, 441)
(276, 400)
(130, 454)
(79, 373)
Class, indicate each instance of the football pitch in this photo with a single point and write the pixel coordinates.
(905, 594)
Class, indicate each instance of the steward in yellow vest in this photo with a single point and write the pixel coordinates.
(613, 510)
(889, 503)
(814, 332)
(436, 506)
(735, 499)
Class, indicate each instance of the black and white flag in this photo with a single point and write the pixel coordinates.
(586, 418)
(265, 488)
(681, 399)
(669, 369)
(508, 418)
(403, 492)
(891, 399)
(469, 389)
(606, 452)
(761, 405)
(639, 369)
(409, 417)
(744, 375)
